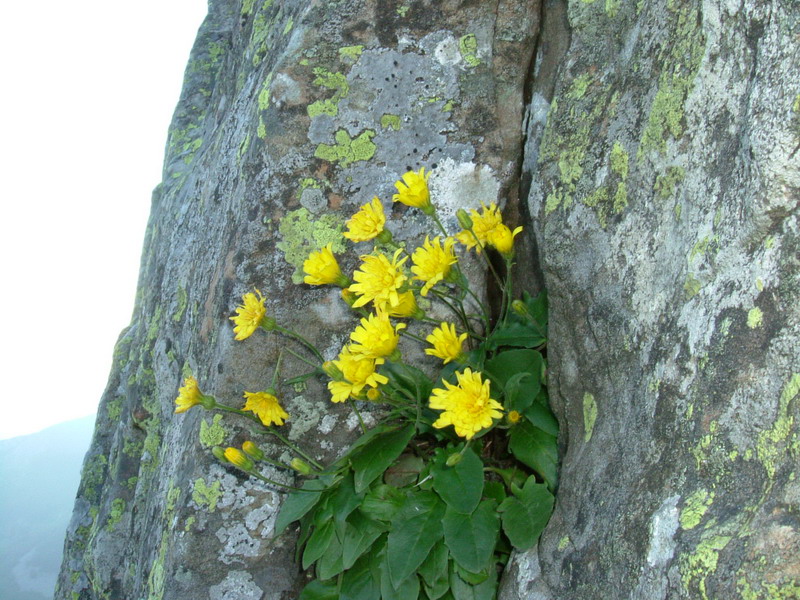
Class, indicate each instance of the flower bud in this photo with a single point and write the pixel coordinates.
(252, 450)
(454, 459)
(332, 371)
(514, 417)
(268, 324)
(519, 307)
(300, 466)
(208, 402)
(385, 237)
(464, 219)
(238, 459)
(373, 394)
(219, 453)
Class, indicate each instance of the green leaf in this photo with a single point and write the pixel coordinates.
(540, 415)
(359, 535)
(331, 562)
(515, 335)
(318, 590)
(358, 582)
(537, 449)
(408, 381)
(525, 514)
(537, 307)
(414, 531)
(435, 576)
(405, 471)
(460, 486)
(343, 501)
(463, 590)
(298, 504)
(318, 543)
(505, 366)
(376, 456)
(407, 590)
(382, 502)
(471, 538)
(495, 490)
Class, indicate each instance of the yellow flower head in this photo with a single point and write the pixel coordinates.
(432, 262)
(514, 417)
(266, 407)
(502, 238)
(249, 315)
(375, 337)
(467, 406)
(447, 344)
(482, 225)
(407, 307)
(188, 396)
(379, 280)
(367, 223)
(356, 373)
(413, 190)
(252, 450)
(238, 458)
(321, 268)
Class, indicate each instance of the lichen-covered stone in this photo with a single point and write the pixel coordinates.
(293, 114)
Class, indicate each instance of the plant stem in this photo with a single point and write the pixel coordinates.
(298, 357)
(358, 414)
(300, 339)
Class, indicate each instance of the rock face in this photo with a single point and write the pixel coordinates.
(649, 148)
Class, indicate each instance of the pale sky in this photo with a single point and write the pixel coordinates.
(89, 88)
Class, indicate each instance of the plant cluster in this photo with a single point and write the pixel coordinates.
(461, 467)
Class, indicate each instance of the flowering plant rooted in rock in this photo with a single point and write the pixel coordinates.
(461, 469)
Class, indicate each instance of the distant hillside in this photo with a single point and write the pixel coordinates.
(39, 474)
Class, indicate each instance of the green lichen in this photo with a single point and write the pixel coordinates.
(215, 51)
(114, 409)
(189, 523)
(703, 246)
(206, 496)
(132, 447)
(773, 443)
(665, 184)
(331, 81)
(619, 161)
(257, 46)
(755, 318)
(680, 65)
(578, 88)
(612, 7)
(245, 145)
(351, 54)
(115, 513)
(402, 10)
(468, 46)
(390, 121)
(348, 150)
(288, 27)
(702, 562)
(264, 94)
(156, 578)
(247, 7)
(93, 476)
(212, 434)
(182, 298)
(589, 416)
(448, 106)
(301, 236)
(768, 591)
(695, 508)
(692, 286)
(563, 543)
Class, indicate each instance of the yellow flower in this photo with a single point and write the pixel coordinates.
(356, 373)
(367, 223)
(514, 417)
(407, 307)
(321, 268)
(379, 280)
(432, 262)
(467, 406)
(413, 190)
(482, 225)
(252, 450)
(238, 458)
(266, 406)
(502, 238)
(188, 396)
(447, 344)
(375, 337)
(249, 315)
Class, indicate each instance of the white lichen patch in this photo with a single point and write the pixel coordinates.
(663, 526)
(327, 424)
(447, 52)
(465, 185)
(237, 585)
(237, 543)
(305, 416)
